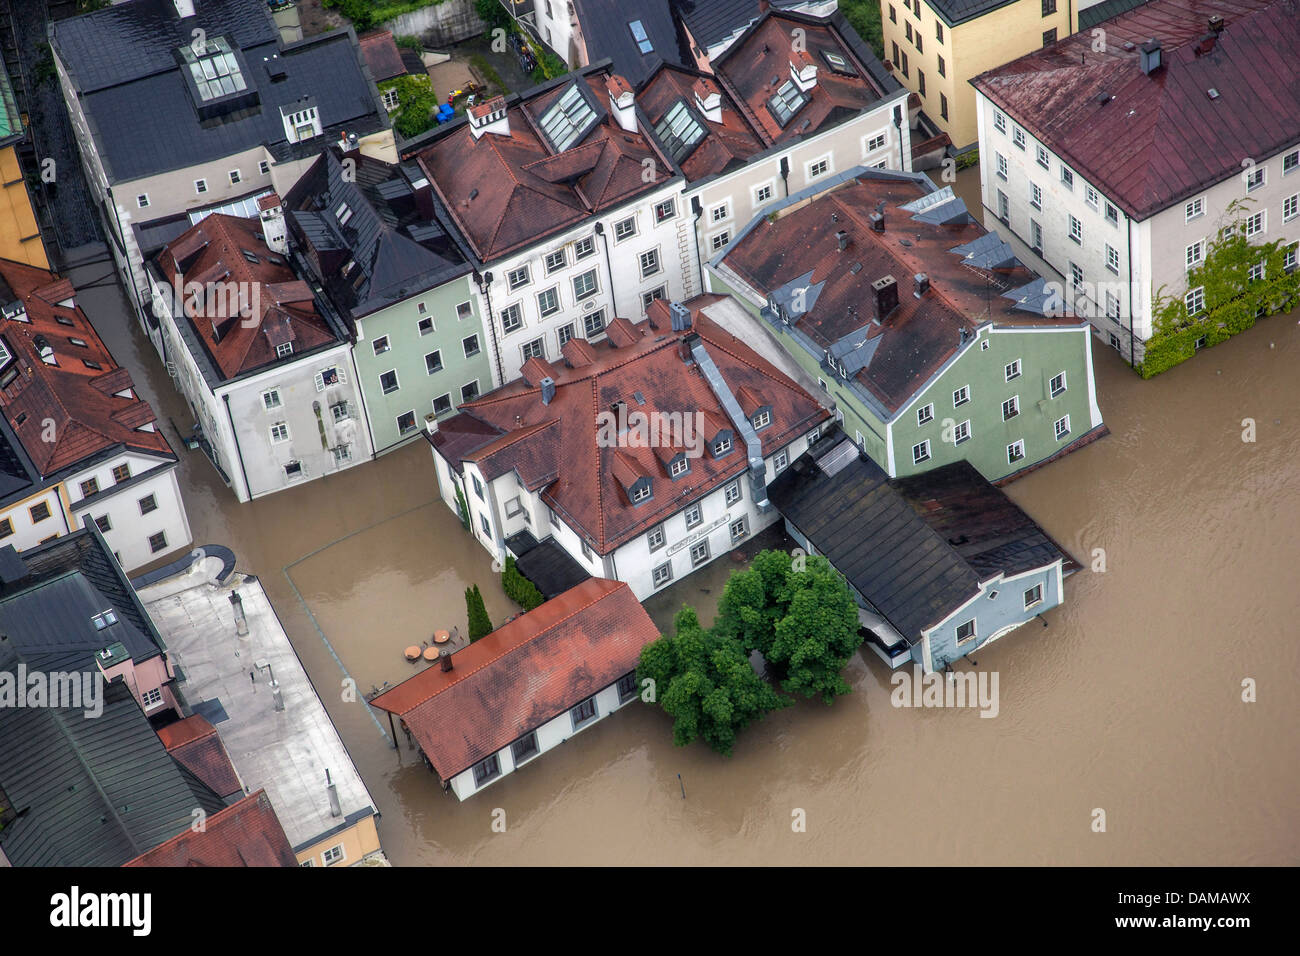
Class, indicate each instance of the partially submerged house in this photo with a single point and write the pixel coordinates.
(941, 563)
(644, 457)
(531, 684)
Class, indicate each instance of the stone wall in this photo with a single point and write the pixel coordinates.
(440, 24)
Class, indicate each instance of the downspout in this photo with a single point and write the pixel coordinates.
(785, 176)
(604, 241)
(1132, 332)
(898, 127)
(238, 452)
(484, 282)
(698, 209)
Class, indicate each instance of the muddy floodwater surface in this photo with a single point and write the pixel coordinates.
(1129, 701)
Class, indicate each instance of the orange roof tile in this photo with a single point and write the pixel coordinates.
(247, 833)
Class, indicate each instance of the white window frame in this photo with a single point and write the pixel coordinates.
(1059, 431)
(1011, 369)
(1037, 601)
(921, 452)
(960, 396)
(619, 226)
(961, 432)
(281, 428)
(827, 161)
(925, 415)
(1052, 388)
(1011, 408)
(267, 404)
(1017, 445)
(1194, 209)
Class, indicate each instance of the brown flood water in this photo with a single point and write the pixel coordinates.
(1130, 700)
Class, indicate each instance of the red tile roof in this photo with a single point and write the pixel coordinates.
(523, 191)
(197, 746)
(750, 66)
(212, 252)
(89, 414)
(247, 833)
(921, 334)
(1161, 138)
(523, 674)
(383, 58)
(555, 446)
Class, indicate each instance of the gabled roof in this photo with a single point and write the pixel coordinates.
(90, 792)
(211, 253)
(91, 401)
(129, 53)
(796, 262)
(725, 145)
(1158, 139)
(383, 58)
(388, 230)
(711, 21)
(196, 744)
(955, 12)
(247, 833)
(555, 446)
(506, 192)
(915, 548)
(523, 674)
(606, 30)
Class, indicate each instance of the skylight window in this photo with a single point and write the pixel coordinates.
(214, 68)
(638, 33)
(789, 99)
(679, 131)
(566, 121)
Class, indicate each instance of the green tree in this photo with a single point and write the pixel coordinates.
(461, 506)
(518, 588)
(493, 14)
(706, 684)
(803, 620)
(479, 623)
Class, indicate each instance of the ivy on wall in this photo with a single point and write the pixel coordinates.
(1233, 300)
(416, 104)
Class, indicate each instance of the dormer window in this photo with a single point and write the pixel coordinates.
(679, 466)
(639, 492)
(302, 123)
(721, 447)
(102, 620)
(568, 120)
(761, 419)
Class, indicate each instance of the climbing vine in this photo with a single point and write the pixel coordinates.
(1234, 298)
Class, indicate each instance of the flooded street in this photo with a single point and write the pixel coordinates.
(1129, 701)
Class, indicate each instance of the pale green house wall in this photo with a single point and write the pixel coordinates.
(417, 388)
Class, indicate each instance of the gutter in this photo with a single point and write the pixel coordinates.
(238, 451)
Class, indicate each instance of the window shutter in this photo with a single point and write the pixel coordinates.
(343, 378)
(320, 382)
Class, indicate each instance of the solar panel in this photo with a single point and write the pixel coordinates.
(564, 122)
(679, 131)
(638, 33)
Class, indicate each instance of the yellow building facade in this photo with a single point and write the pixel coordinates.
(936, 47)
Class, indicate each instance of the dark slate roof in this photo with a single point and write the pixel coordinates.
(953, 12)
(915, 548)
(605, 27)
(551, 569)
(126, 55)
(712, 20)
(1092, 16)
(390, 232)
(90, 792)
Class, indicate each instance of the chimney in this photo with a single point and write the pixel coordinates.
(332, 789)
(274, 230)
(803, 70)
(622, 104)
(684, 347)
(1206, 44)
(764, 6)
(1216, 24)
(885, 290)
(1150, 56)
(920, 284)
(548, 389)
(431, 423)
(489, 117)
(708, 102)
(842, 240)
(681, 317)
(241, 620)
(878, 221)
(444, 658)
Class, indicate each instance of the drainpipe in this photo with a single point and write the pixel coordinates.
(604, 241)
(698, 209)
(1132, 332)
(898, 127)
(785, 175)
(484, 282)
(238, 452)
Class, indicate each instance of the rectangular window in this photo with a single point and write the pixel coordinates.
(965, 631)
(655, 538)
(999, 121)
(1018, 136)
(6, 528)
(121, 473)
(665, 210)
(739, 529)
(200, 186)
(142, 200)
(679, 467)
(594, 324)
(1112, 215)
(1057, 384)
(625, 229)
(1042, 156)
(1195, 253)
(271, 399)
(720, 213)
(762, 194)
(469, 392)
(893, 15)
(961, 433)
(1091, 198)
(380, 345)
(961, 396)
(1012, 370)
(733, 492)
(433, 361)
(662, 575)
(264, 167)
(103, 524)
(938, 31)
(1290, 207)
(524, 748)
(148, 504)
(649, 297)
(464, 311)
(89, 487)
(279, 433)
(1194, 208)
(284, 350)
(235, 177)
(921, 452)
(470, 345)
(406, 422)
(483, 523)
(780, 462)
(158, 542)
(556, 261)
(1036, 236)
(534, 349)
(694, 516)
(340, 412)
(564, 333)
(517, 278)
(1033, 596)
(1049, 36)
(151, 698)
(819, 168)
(548, 302)
(1067, 177)
(1255, 177)
(512, 318)
(1195, 300)
(1255, 224)
(1076, 275)
(584, 713)
(1049, 7)
(720, 241)
(1015, 451)
(442, 404)
(1011, 408)
(1112, 305)
(1004, 206)
(388, 381)
(649, 263)
(925, 414)
(699, 553)
(1076, 230)
(943, 105)
(1289, 257)
(486, 769)
(1112, 259)
(1062, 427)
(584, 286)
(920, 83)
(876, 142)
(762, 420)
(1002, 166)
(627, 687)
(943, 67)
(1035, 196)
(1291, 161)
(584, 247)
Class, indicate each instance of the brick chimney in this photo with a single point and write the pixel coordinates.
(885, 292)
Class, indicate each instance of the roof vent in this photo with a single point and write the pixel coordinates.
(681, 317)
(920, 284)
(878, 221)
(548, 390)
(1216, 24)
(842, 240)
(1129, 46)
(1104, 98)
(1212, 93)
(1150, 56)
